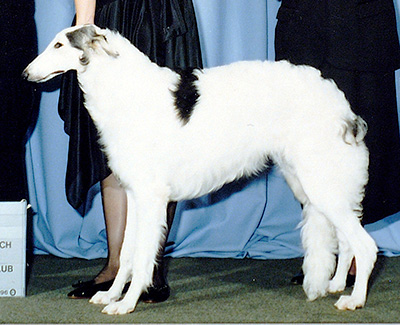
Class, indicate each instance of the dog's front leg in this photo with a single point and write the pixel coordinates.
(149, 228)
(126, 257)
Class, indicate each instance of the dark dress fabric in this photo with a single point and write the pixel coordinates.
(18, 99)
(355, 43)
(166, 31)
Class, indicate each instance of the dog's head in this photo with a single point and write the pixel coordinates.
(71, 49)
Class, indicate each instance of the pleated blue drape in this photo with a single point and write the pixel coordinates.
(252, 218)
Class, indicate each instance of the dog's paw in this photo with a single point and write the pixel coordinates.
(336, 286)
(313, 294)
(349, 303)
(102, 298)
(118, 308)
(315, 289)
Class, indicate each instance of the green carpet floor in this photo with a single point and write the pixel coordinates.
(203, 291)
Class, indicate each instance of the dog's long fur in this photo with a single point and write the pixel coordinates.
(172, 137)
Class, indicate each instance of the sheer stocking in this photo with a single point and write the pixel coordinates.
(115, 209)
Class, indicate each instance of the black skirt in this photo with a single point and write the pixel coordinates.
(355, 43)
(166, 31)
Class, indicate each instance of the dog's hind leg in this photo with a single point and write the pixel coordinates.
(150, 226)
(345, 256)
(319, 243)
(365, 250)
(318, 240)
(340, 206)
(340, 211)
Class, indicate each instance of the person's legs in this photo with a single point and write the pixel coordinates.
(115, 209)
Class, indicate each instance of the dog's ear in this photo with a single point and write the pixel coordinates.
(88, 39)
(99, 43)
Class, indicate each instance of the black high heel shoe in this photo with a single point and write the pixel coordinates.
(87, 289)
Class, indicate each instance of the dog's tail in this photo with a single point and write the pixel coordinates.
(354, 131)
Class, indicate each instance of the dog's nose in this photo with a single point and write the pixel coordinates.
(25, 74)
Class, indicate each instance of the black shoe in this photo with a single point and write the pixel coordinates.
(299, 278)
(156, 294)
(86, 290)
(82, 283)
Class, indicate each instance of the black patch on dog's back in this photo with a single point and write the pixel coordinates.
(186, 94)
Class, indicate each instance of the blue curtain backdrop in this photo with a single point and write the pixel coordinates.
(255, 218)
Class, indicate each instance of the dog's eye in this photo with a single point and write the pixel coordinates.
(58, 45)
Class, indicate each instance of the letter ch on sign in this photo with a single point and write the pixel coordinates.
(5, 244)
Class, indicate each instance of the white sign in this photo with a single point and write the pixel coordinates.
(13, 249)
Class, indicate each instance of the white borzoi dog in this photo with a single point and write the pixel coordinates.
(175, 136)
